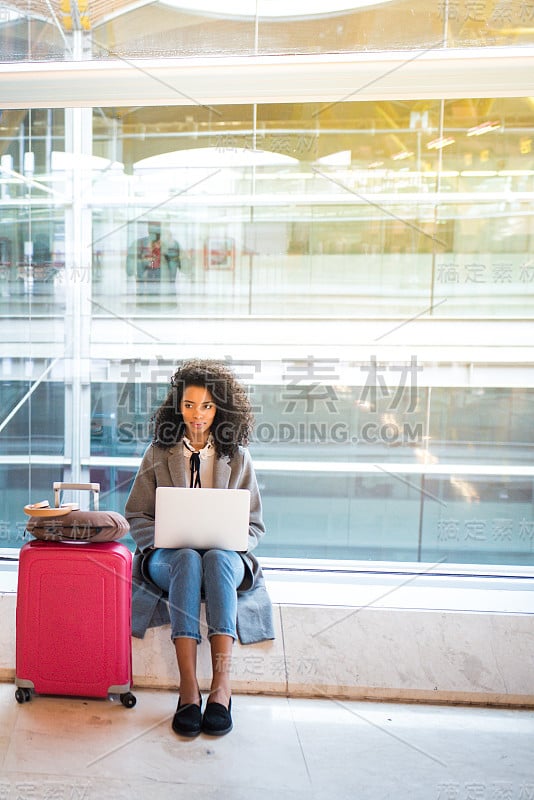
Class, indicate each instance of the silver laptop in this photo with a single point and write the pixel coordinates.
(202, 518)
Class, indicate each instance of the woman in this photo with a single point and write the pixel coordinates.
(200, 435)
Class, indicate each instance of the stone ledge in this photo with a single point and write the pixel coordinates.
(430, 656)
(371, 653)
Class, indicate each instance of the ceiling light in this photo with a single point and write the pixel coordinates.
(340, 159)
(512, 173)
(484, 127)
(440, 142)
(478, 173)
(402, 154)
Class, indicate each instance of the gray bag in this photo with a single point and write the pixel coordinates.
(66, 523)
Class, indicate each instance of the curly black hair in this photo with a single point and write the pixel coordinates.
(234, 420)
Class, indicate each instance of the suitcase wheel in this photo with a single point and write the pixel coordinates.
(23, 695)
(128, 699)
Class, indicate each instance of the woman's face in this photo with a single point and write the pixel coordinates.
(198, 411)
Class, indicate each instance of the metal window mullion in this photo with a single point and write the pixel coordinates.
(78, 145)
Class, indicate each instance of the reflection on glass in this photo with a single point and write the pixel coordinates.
(481, 425)
(312, 211)
(32, 199)
(39, 416)
(479, 520)
(338, 516)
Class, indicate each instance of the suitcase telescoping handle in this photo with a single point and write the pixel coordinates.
(58, 487)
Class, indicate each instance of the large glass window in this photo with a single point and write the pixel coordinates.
(365, 267)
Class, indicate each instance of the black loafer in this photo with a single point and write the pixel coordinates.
(188, 719)
(217, 719)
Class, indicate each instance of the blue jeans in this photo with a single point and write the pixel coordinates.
(187, 575)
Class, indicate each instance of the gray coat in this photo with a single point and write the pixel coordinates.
(167, 467)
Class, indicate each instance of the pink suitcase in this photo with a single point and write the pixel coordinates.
(74, 620)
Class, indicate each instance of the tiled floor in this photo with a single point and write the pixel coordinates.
(76, 749)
